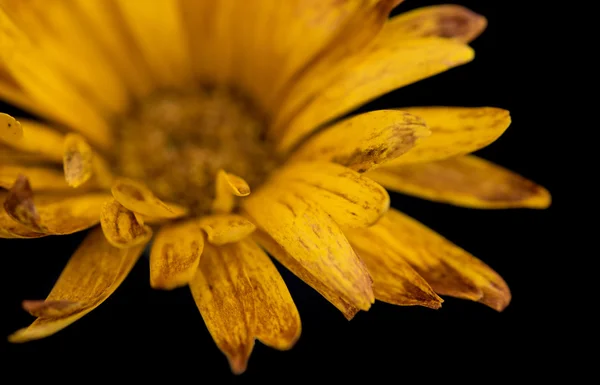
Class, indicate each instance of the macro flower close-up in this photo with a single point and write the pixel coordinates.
(216, 142)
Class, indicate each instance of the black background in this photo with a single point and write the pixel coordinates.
(152, 332)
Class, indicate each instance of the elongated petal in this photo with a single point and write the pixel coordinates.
(175, 255)
(455, 131)
(336, 298)
(41, 178)
(351, 199)
(135, 196)
(121, 227)
(389, 64)
(35, 138)
(225, 228)
(288, 35)
(241, 296)
(165, 51)
(370, 139)
(53, 215)
(464, 181)
(447, 268)
(228, 186)
(308, 234)
(447, 20)
(275, 322)
(394, 281)
(93, 273)
(332, 63)
(219, 288)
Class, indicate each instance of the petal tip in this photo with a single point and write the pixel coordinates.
(238, 364)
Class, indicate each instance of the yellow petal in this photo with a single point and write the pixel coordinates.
(333, 61)
(41, 178)
(93, 273)
(308, 234)
(158, 32)
(241, 296)
(370, 139)
(36, 138)
(121, 227)
(48, 309)
(351, 199)
(447, 268)
(394, 281)
(34, 71)
(275, 322)
(77, 160)
(10, 128)
(52, 214)
(228, 186)
(447, 20)
(219, 288)
(10, 156)
(175, 255)
(12, 93)
(455, 131)
(135, 196)
(336, 298)
(9, 228)
(222, 229)
(388, 65)
(107, 30)
(464, 181)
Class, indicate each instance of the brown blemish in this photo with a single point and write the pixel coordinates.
(19, 204)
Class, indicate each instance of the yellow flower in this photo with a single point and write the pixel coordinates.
(164, 117)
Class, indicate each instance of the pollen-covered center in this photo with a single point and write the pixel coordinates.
(176, 142)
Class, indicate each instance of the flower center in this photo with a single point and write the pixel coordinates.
(176, 141)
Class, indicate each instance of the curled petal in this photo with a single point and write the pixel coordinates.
(121, 227)
(135, 196)
(175, 255)
(225, 228)
(77, 160)
(51, 214)
(37, 138)
(228, 186)
(10, 128)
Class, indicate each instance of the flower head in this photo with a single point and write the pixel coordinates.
(215, 138)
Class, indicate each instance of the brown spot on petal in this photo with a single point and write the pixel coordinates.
(49, 309)
(19, 205)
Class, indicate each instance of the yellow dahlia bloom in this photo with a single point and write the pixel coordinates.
(209, 131)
